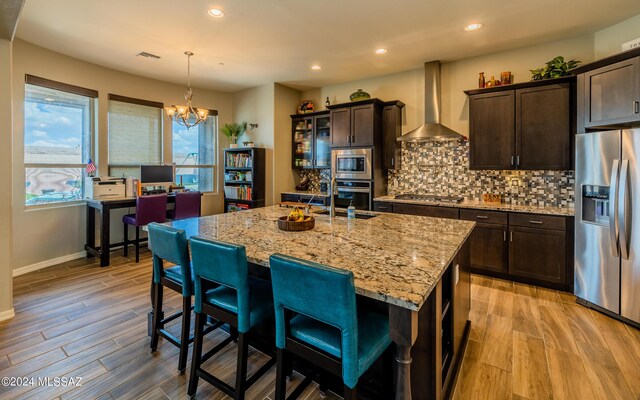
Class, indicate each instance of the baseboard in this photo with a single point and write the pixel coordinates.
(5, 315)
(48, 263)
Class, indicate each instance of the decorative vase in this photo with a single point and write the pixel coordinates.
(233, 145)
(359, 95)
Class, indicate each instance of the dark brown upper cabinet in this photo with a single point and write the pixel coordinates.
(491, 122)
(609, 95)
(522, 126)
(392, 129)
(356, 124)
(341, 127)
(543, 126)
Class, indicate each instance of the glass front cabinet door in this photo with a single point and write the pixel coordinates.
(311, 141)
(322, 141)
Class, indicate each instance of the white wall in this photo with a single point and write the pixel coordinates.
(256, 105)
(457, 76)
(286, 101)
(407, 86)
(53, 232)
(461, 75)
(608, 41)
(6, 291)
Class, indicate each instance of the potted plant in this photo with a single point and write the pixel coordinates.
(233, 132)
(555, 68)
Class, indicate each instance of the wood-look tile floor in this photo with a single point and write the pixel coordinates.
(528, 342)
(77, 319)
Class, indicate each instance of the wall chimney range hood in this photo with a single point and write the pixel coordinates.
(432, 130)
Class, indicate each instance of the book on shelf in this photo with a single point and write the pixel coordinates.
(238, 160)
(242, 192)
(231, 207)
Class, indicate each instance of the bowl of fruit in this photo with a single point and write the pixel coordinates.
(296, 221)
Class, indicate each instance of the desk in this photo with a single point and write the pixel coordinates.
(103, 207)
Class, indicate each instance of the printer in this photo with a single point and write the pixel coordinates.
(102, 188)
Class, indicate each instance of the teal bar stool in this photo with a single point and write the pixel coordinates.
(169, 244)
(317, 319)
(225, 291)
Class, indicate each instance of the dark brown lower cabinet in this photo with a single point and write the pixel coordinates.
(426, 211)
(489, 249)
(383, 206)
(538, 254)
(530, 248)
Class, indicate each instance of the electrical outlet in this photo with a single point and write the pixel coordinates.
(632, 44)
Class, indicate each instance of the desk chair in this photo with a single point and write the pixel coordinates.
(148, 209)
(236, 299)
(187, 206)
(317, 319)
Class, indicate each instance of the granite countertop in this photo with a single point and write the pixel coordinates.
(477, 204)
(308, 193)
(395, 258)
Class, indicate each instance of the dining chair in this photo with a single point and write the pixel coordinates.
(225, 291)
(317, 319)
(187, 205)
(152, 208)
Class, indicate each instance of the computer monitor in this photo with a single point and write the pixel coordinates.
(156, 174)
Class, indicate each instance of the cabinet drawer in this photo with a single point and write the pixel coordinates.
(382, 206)
(315, 200)
(538, 221)
(289, 197)
(427, 211)
(485, 217)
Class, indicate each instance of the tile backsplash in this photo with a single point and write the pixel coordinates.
(443, 168)
(316, 176)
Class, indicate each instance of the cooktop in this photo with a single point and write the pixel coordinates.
(430, 197)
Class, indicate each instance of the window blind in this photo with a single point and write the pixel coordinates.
(135, 133)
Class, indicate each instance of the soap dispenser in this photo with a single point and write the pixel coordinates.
(351, 211)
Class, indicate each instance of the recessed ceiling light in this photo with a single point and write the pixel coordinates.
(214, 12)
(472, 27)
(381, 51)
(316, 67)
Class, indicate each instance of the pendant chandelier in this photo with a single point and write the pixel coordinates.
(187, 115)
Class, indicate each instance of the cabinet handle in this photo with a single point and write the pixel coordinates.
(392, 161)
(505, 235)
(482, 217)
(353, 138)
(511, 236)
(512, 163)
(349, 139)
(636, 107)
(517, 161)
(533, 221)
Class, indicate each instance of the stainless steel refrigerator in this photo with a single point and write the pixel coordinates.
(607, 234)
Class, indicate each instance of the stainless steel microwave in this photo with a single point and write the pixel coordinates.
(352, 163)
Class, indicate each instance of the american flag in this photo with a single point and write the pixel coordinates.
(91, 168)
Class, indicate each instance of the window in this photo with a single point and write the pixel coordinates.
(194, 154)
(135, 135)
(58, 132)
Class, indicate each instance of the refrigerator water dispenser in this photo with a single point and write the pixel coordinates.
(595, 204)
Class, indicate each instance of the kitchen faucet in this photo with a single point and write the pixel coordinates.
(332, 211)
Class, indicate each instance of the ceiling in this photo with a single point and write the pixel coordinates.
(260, 41)
(9, 12)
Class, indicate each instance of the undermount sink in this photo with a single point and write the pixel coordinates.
(344, 214)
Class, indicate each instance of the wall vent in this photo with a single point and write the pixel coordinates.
(148, 55)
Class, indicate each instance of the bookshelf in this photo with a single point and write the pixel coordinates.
(243, 178)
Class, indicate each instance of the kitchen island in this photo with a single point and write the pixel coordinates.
(417, 267)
